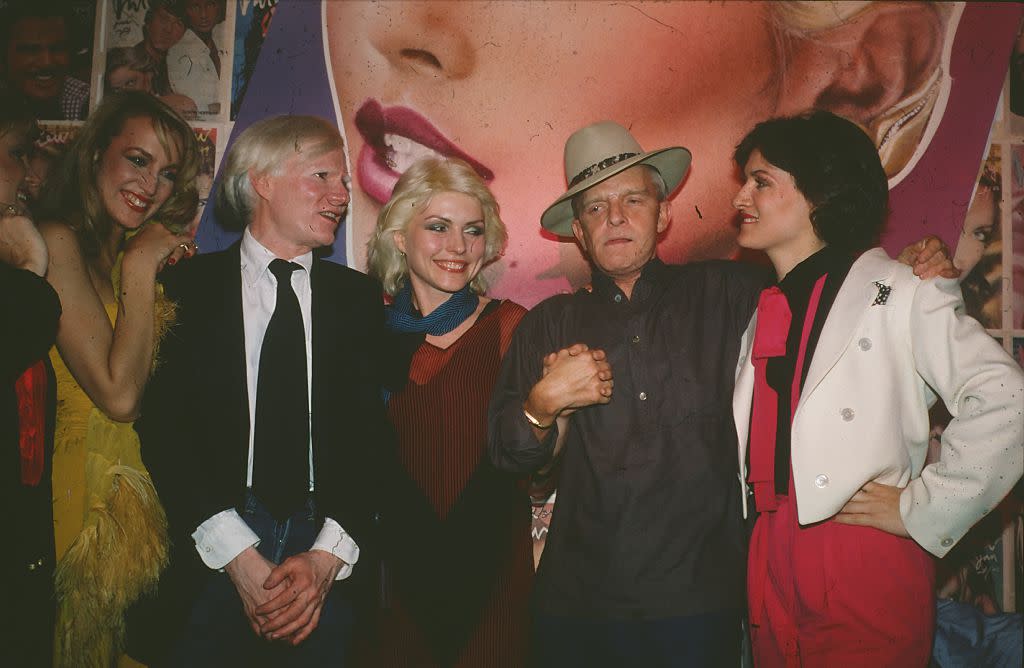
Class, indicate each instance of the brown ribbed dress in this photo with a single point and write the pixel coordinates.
(441, 420)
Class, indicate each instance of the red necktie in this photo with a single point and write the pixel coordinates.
(30, 389)
(773, 320)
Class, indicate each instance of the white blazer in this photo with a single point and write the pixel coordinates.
(863, 411)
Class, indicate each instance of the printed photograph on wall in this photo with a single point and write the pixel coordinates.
(252, 21)
(49, 147)
(208, 154)
(979, 251)
(46, 55)
(1017, 235)
(417, 79)
(171, 48)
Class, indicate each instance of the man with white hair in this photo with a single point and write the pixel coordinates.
(263, 422)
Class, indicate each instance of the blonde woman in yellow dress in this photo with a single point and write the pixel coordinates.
(133, 162)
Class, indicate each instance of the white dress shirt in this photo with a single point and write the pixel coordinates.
(225, 535)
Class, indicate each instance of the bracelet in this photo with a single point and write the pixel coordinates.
(534, 421)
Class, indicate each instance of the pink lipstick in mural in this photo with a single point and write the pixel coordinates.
(394, 138)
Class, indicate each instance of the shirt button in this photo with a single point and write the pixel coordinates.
(847, 414)
(865, 344)
(946, 542)
(618, 298)
(643, 396)
(821, 481)
(636, 339)
(208, 548)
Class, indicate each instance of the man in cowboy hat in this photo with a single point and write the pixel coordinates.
(644, 564)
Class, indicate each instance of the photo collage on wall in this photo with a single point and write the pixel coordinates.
(195, 55)
(988, 567)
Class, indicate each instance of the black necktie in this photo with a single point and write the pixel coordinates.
(280, 477)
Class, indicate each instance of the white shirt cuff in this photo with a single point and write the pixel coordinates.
(333, 539)
(222, 538)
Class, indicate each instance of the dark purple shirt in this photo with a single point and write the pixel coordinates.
(647, 522)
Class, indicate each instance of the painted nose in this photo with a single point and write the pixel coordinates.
(419, 41)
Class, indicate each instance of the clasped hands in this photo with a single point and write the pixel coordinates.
(284, 602)
(573, 378)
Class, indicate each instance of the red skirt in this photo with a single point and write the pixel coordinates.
(833, 594)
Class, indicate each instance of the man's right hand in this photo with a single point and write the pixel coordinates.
(573, 378)
(248, 571)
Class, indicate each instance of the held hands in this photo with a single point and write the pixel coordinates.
(875, 505)
(930, 258)
(572, 378)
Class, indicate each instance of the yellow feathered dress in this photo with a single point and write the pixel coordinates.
(110, 529)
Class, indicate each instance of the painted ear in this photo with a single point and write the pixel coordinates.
(868, 65)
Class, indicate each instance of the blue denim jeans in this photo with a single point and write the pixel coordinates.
(218, 633)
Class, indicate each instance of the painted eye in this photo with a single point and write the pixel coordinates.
(169, 175)
(475, 230)
(138, 160)
(437, 227)
(983, 234)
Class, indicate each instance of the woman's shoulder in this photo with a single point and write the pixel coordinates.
(60, 237)
(508, 314)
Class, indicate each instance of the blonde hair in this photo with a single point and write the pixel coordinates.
(73, 195)
(262, 149)
(414, 190)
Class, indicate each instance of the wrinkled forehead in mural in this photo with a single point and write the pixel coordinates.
(503, 84)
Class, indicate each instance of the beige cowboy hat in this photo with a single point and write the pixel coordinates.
(600, 151)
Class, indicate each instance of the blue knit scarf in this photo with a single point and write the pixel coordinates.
(402, 317)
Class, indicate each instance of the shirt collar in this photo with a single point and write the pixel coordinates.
(826, 260)
(256, 259)
(652, 275)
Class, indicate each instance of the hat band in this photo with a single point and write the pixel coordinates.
(598, 166)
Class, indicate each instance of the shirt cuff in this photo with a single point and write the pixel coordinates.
(333, 539)
(222, 538)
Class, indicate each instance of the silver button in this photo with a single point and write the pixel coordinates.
(636, 339)
(865, 343)
(208, 548)
(618, 298)
(847, 414)
(31, 567)
(946, 542)
(643, 396)
(821, 481)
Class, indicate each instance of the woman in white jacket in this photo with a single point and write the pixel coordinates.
(836, 374)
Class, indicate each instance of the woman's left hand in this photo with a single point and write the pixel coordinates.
(875, 505)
